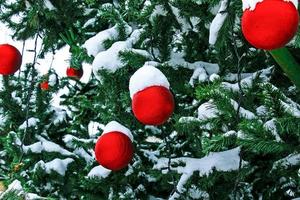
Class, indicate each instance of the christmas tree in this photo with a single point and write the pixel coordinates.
(187, 100)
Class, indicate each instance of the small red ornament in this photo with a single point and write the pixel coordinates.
(44, 85)
(10, 59)
(271, 25)
(114, 149)
(153, 105)
(74, 73)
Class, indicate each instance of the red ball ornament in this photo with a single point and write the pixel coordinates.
(44, 85)
(153, 105)
(114, 150)
(271, 25)
(152, 101)
(10, 59)
(74, 73)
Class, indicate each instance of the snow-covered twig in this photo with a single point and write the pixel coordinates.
(219, 161)
(218, 22)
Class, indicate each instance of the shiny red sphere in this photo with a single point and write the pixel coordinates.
(10, 59)
(271, 25)
(153, 106)
(114, 150)
(74, 73)
(44, 85)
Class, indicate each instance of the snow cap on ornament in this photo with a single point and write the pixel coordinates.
(152, 101)
(114, 148)
(10, 59)
(269, 24)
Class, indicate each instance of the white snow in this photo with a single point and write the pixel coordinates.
(195, 193)
(59, 115)
(230, 133)
(218, 22)
(200, 74)
(214, 77)
(14, 186)
(207, 111)
(251, 4)
(289, 161)
(188, 119)
(242, 112)
(147, 76)
(177, 60)
(291, 109)
(153, 139)
(88, 23)
(110, 60)
(94, 45)
(58, 165)
(220, 161)
(52, 79)
(94, 128)
(185, 26)
(99, 172)
(158, 10)
(234, 77)
(261, 110)
(247, 82)
(271, 126)
(49, 5)
(68, 139)
(45, 146)
(202, 70)
(116, 126)
(31, 123)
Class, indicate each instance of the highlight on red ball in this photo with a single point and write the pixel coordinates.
(114, 148)
(44, 85)
(74, 73)
(10, 59)
(271, 24)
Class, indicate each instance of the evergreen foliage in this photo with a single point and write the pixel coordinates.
(246, 103)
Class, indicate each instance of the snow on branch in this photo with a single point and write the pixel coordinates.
(95, 44)
(287, 103)
(110, 59)
(57, 165)
(247, 82)
(202, 70)
(49, 5)
(44, 146)
(99, 172)
(218, 22)
(271, 126)
(31, 122)
(220, 161)
(16, 187)
(289, 161)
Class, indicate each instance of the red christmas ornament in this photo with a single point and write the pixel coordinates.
(152, 101)
(271, 25)
(44, 85)
(114, 149)
(10, 59)
(74, 73)
(153, 105)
